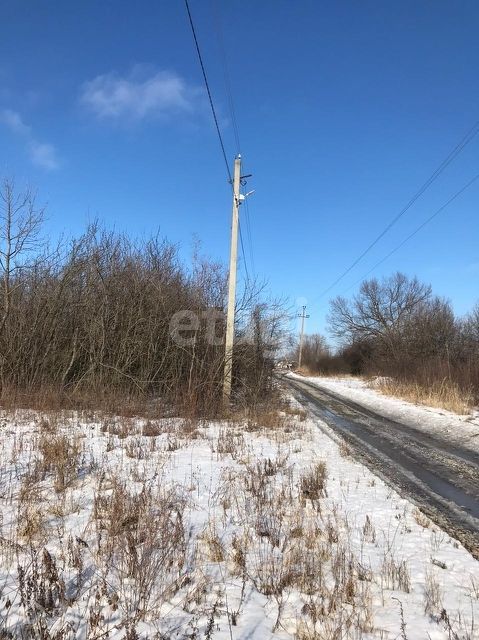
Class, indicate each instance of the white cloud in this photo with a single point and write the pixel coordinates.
(42, 154)
(142, 94)
(14, 122)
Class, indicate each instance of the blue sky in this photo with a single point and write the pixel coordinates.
(344, 109)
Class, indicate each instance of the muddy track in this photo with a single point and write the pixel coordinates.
(439, 477)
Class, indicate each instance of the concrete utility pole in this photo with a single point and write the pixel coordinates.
(302, 316)
(230, 318)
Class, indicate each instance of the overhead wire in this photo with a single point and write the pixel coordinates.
(215, 118)
(416, 231)
(250, 241)
(432, 178)
(210, 97)
(243, 251)
(227, 82)
(226, 75)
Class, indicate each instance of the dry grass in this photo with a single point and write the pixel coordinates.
(54, 400)
(177, 527)
(432, 595)
(441, 394)
(313, 482)
(421, 519)
(60, 456)
(396, 575)
(309, 373)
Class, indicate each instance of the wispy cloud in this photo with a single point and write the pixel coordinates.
(14, 122)
(143, 94)
(42, 154)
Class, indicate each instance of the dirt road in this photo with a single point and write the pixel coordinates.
(440, 478)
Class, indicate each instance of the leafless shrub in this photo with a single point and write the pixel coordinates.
(142, 539)
(309, 555)
(269, 524)
(173, 443)
(269, 571)
(475, 588)
(457, 629)
(342, 612)
(230, 442)
(403, 622)
(136, 448)
(313, 482)
(398, 330)
(214, 545)
(332, 532)
(269, 466)
(41, 588)
(87, 324)
(60, 456)
(438, 538)
(344, 449)
(395, 575)
(152, 429)
(257, 478)
(31, 522)
(432, 594)
(369, 532)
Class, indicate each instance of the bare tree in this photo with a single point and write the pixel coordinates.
(470, 330)
(398, 328)
(315, 350)
(431, 331)
(378, 312)
(20, 223)
(262, 334)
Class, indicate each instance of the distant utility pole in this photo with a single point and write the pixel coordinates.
(301, 315)
(230, 318)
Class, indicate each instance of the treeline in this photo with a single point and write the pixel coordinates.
(397, 328)
(106, 317)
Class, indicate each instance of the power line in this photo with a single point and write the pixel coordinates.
(226, 75)
(419, 228)
(444, 164)
(243, 251)
(208, 91)
(248, 227)
(227, 82)
(250, 242)
(213, 110)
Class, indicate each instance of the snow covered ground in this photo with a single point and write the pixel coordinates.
(121, 528)
(462, 430)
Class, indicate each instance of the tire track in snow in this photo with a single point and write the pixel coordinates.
(439, 477)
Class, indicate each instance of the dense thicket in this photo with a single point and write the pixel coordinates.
(316, 355)
(97, 317)
(397, 327)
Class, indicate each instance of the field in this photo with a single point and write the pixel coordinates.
(255, 527)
